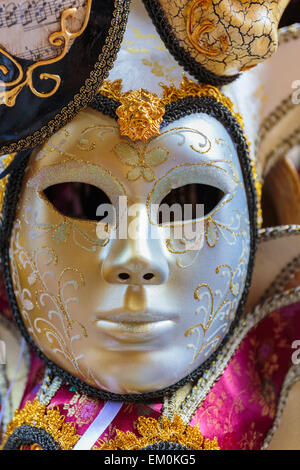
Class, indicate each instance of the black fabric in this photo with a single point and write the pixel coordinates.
(31, 113)
(174, 111)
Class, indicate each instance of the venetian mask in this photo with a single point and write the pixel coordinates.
(139, 309)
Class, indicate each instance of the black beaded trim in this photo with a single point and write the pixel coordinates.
(189, 64)
(165, 445)
(27, 435)
(174, 111)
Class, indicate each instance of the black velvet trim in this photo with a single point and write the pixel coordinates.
(174, 111)
(165, 445)
(27, 435)
(189, 64)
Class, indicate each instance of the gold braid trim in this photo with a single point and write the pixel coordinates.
(38, 415)
(258, 189)
(152, 431)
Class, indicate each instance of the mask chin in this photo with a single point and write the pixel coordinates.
(151, 387)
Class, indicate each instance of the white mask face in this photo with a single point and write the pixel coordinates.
(132, 315)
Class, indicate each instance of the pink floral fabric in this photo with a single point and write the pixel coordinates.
(241, 407)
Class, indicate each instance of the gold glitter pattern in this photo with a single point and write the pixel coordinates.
(49, 419)
(140, 160)
(152, 431)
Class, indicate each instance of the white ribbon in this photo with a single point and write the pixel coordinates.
(98, 426)
(13, 379)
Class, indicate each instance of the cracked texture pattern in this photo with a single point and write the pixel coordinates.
(226, 36)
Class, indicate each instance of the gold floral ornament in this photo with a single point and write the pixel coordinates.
(141, 160)
(151, 431)
(141, 112)
(140, 115)
(49, 419)
(59, 39)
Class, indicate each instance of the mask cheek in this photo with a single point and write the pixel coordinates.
(219, 276)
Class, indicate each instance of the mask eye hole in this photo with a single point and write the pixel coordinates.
(202, 195)
(77, 200)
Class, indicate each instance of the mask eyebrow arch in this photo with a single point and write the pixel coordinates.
(77, 171)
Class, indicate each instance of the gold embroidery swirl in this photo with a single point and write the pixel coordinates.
(88, 90)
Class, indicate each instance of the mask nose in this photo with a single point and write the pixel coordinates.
(139, 259)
